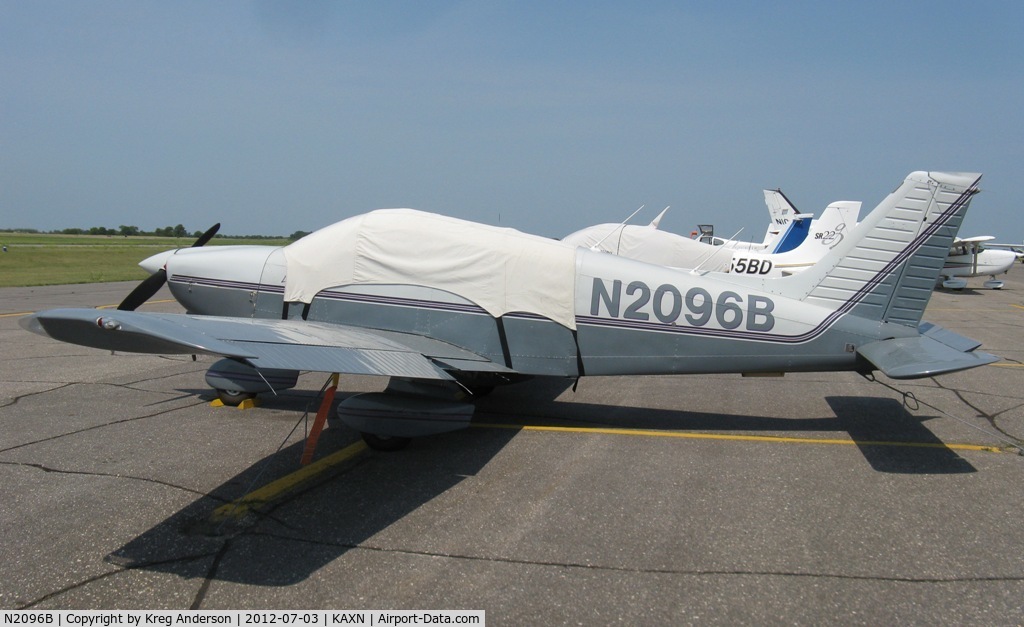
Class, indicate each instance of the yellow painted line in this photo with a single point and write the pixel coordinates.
(276, 489)
(18, 314)
(737, 438)
(970, 310)
(1004, 365)
(1017, 306)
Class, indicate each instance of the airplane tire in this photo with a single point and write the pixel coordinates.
(388, 443)
(234, 398)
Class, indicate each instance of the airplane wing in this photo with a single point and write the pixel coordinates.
(1017, 248)
(935, 351)
(264, 343)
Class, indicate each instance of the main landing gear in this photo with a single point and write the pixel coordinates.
(234, 398)
(386, 443)
(386, 421)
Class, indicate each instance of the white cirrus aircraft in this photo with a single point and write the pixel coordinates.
(445, 306)
(968, 257)
(650, 244)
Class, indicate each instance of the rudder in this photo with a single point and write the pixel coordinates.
(887, 268)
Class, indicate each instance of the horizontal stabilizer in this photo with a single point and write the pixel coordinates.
(947, 337)
(922, 356)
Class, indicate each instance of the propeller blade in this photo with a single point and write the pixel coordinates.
(207, 236)
(144, 291)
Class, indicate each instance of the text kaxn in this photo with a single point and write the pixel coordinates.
(668, 305)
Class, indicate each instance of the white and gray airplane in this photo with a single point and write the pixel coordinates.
(968, 257)
(444, 306)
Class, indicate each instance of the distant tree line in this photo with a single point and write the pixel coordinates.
(129, 231)
(167, 231)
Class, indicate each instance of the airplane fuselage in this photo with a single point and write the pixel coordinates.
(631, 317)
(985, 263)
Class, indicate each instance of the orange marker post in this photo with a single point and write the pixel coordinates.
(318, 422)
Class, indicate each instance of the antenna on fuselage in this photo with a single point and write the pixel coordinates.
(597, 247)
(656, 221)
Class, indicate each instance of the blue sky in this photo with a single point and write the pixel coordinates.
(273, 116)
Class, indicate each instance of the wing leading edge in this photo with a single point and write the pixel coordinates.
(280, 344)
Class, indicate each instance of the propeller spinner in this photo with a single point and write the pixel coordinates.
(152, 284)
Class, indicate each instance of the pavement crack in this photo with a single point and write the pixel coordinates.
(14, 400)
(117, 571)
(99, 426)
(89, 473)
(990, 418)
(197, 602)
(649, 571)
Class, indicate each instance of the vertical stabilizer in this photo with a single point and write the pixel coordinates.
(782, 215)
(795, 235)
(887, 268)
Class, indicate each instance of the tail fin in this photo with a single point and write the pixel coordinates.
(887, 267)
(786, 227)
(794, 235)
(826, 233)
(780, 209)
(836, 220)
(830, 229)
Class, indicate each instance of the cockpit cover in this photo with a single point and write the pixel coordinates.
(501, 270)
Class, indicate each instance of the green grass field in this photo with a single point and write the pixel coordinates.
(43, 259)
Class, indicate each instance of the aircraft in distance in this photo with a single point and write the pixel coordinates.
(446, 306)
(970, 257)
(651, 245)
(787, 227)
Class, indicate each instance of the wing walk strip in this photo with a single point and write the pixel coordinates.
(275, 491)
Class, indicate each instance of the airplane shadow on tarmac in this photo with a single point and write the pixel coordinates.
(292, 538)
(289, 541)
(890, 438)
(879, 425)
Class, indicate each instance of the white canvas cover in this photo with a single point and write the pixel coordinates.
(501, 270)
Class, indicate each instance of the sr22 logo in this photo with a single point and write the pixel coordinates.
(667, 304)
(743, 265)
(831, 238)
